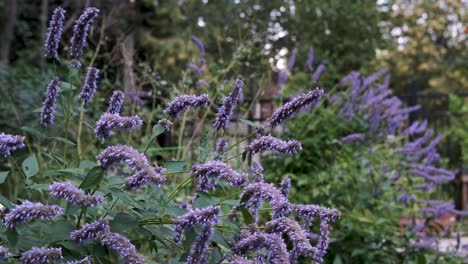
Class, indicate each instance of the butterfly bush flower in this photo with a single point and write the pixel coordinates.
(90, 231)
(257, 171)
(200, 246)
(374, 77)
(285, 186)
(353, 137)
(225, 111)
(80, 31)
(71, 194)
(54, 33)
(433, 174)
(48, 106)
(318, 73)
(220, 148)
(167, 124)
(38, 255)
(144, 172)
(291, 108)
(9, 143)
(108, 122)
(207, 216)
(81, 261)
(266, 143)
(277, 251)
(208, 172)
(126, 250)
(260, 191)
(28, 211)
(4, 253)
(116, 102)
(90, 85)
(181, 103)
(301, 244)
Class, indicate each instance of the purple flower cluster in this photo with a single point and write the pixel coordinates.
(318, 73)
(9, 143)
(277, 251)
(144, 173)
(116, 102)
(199, 67)
(28, 211)
(292, 107)
(225, 111)
(181, 103)
(90, 231)
(109, 122)
(80, 31)
(283, 74)
(81, 261)
(48, 106)
(41, 255)
(257, 171)
(266, 143)
(54, 33)
(220, 148)
(167, 124)
(353, 137)
(4, 253)
(285, 186)
(207, 173)
(71, 194)
(257, 192)
(89, 85)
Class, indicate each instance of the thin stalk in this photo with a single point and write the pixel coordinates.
(235, 144)
(181, 134)
(80, 128)
(233, 157)
(177, 189)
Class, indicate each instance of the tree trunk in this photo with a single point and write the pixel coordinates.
(8, 31)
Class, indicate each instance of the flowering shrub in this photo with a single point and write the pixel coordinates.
(120, 204)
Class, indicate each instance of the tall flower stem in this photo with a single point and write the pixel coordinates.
(80, 128)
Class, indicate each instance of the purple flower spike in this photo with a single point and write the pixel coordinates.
(207, 216)
(225, 111)
(4, 253)
(90, 231)
(28, 211)
(291, 108)
(221, 146)
(310, 59)
(48, 106)
(81, 261)
(109, 122)
(285, 186)
(257, 192)
(266, 143)
(208, 172)
(318, 73)
(126, 250)
(257, 171)
(41, 255)
(353, 137)
(116, 102)
(277, 251)
(90, 85)
(54, 33)
(80, 31)
(197, 253)
(199, 44)
(74, 63)
(167, 124)
(144, 172)
(181, 103)
(9, 143)
(70, 193)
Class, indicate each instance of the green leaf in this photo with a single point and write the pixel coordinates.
(3, 176)
(30, 166)
(248, 219)
(12, 237)
(64, 140)
(204, 147)
(41, 186)
(32, 131)
(94, 178)
(122, 222)
(248, 122)
(174, 166)
(59, 230)
(158, 129)
(5, 202)
(65, 86)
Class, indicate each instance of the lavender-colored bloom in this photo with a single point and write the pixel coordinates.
(309, 212)
(432, 174)
(28, 211)
(241, 260)
(291, 108)
(182, 103)
(318, 72)
(48, 106)
(404, 198)
(38, 255)
(374, 77)
(425, 186)
(353, 137)
(167, 124)
(80, 31)
(220, 148)
(199, 44)
(70, 193)
(126, 250)
(225, 111)
(282, 78)
(144, 172)
(257, 171)
(4, 253)
(260, 191)
(301, 244)
(90, 85)
(425, 242)
(416, 128)
(108, 122)
(81, 261)
(197, 253)
(54, 33)
(116, 102)
(90, 231)
(277, 251)
(207, 216)
(9, 143)
(208, 172)
(285, 186)
(266, 143)
(75, 63)
(201, 83)
(310, 59)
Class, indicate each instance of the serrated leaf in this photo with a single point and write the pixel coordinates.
(3, 176)
(174, 166)
(30, 166)
(64, 140)
(93, 178)
(248, 122)
(158, 129)
(204, 147)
